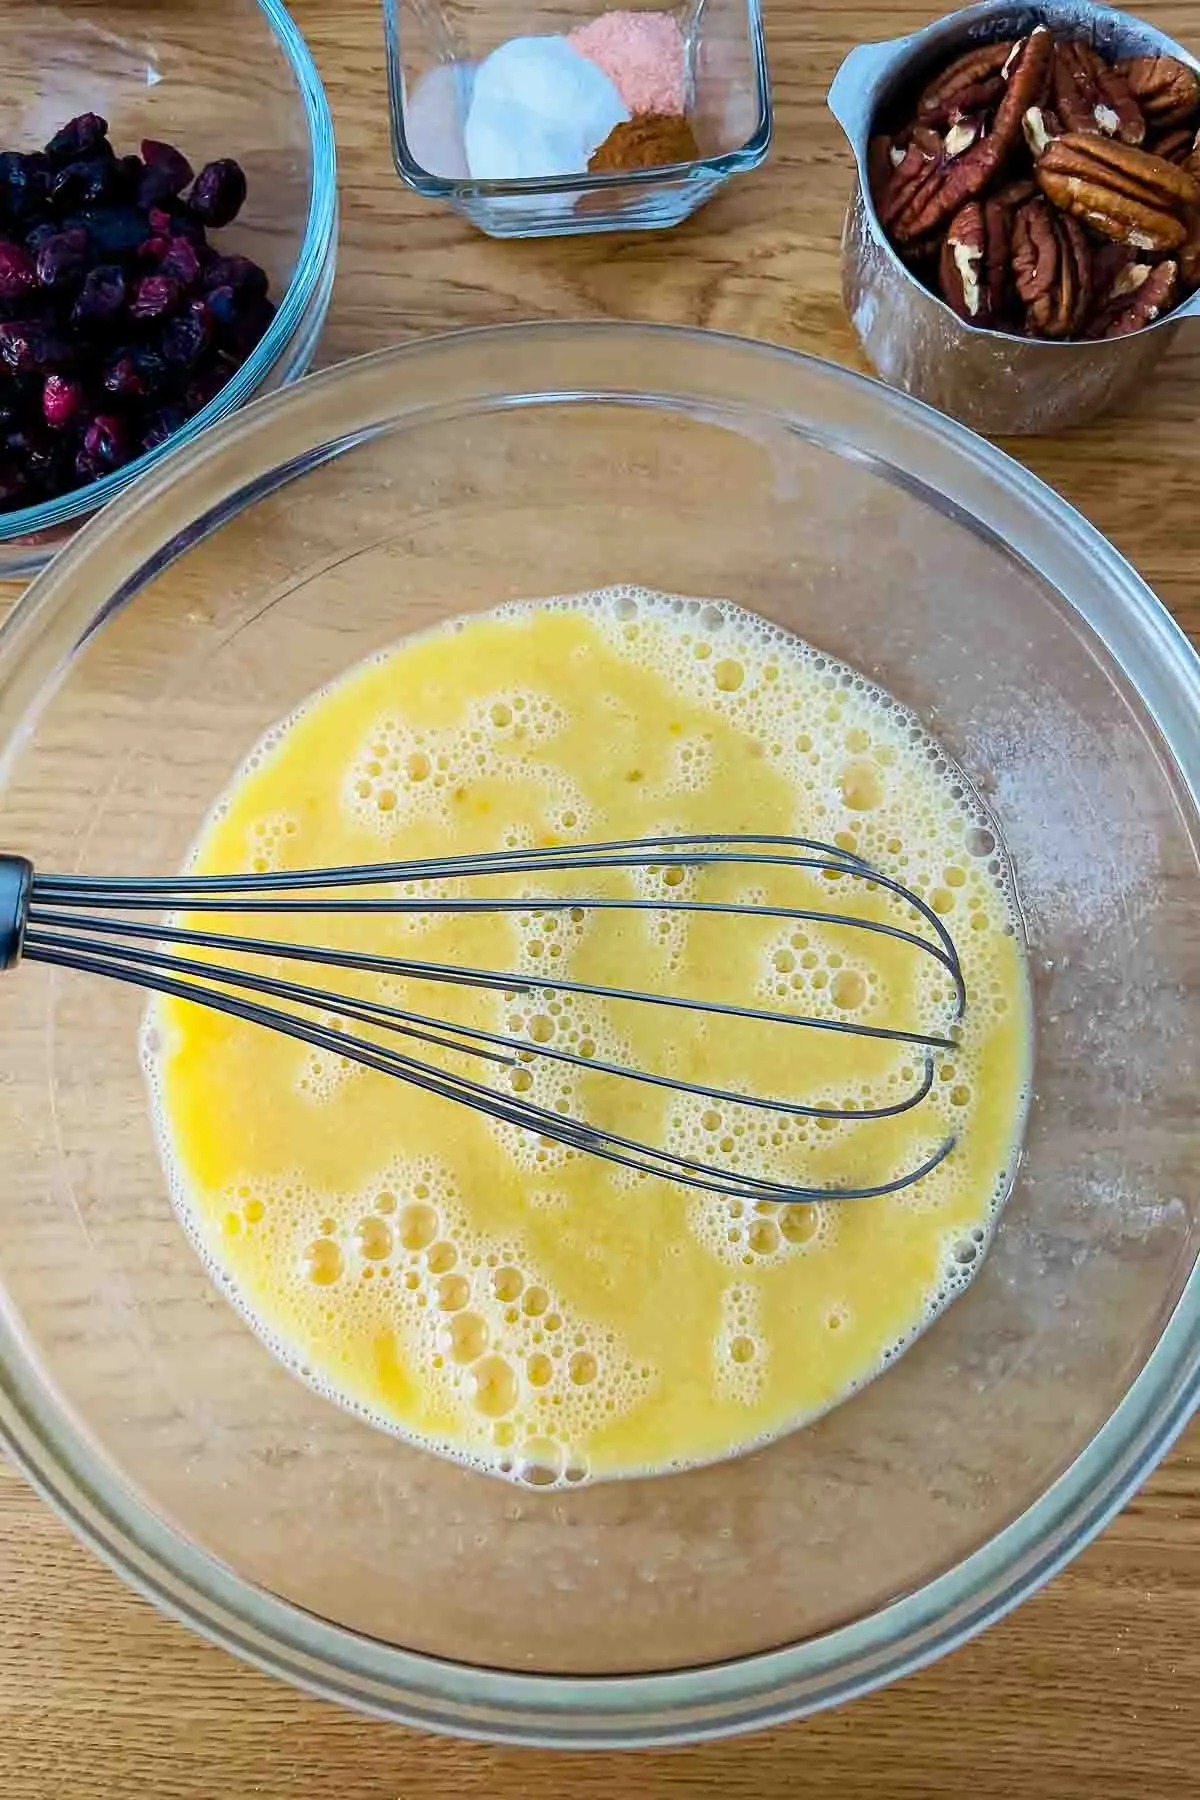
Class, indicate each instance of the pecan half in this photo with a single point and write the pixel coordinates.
(1123, 193)
(1117, 274)
(975, 262)
(1175, 145)
(1090, 95)
(1167, 90)
(915, 207)
(1028, 74)
(1149, 300)
(1052, 270)
(1041, 126)
(972, 83)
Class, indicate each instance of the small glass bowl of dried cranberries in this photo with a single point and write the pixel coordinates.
(168, 221)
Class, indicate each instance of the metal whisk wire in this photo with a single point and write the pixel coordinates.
(73, 922)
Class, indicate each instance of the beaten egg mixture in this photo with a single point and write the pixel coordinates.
(500, 1298)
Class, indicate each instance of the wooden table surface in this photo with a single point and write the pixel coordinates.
(1090, 1689)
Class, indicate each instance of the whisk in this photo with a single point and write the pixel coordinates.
(76, 922)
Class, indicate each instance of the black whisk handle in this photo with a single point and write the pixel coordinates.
(16, 886)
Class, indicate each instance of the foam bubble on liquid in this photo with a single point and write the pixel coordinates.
(528, 1382)
(400, 773)
(740, 1352)
(527, 1379)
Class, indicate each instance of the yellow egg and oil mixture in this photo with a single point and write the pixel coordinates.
(481, 1289)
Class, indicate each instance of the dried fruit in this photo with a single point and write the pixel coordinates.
(24, 184)
(18, 272)
(163, 424)
(180, 261)
(218, 194)
(118, 319)
(80, 185)
(236, 272)
(62, 399)
(167, 172)
(1123, 193)
(79, 137)
(154, 297)
(62, 260)
(102, 297)
(106, 441)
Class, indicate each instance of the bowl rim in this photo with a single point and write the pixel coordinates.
(564, 364)
(308, 277)
(465, 189)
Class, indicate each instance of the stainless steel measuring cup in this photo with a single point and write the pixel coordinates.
(991, 380)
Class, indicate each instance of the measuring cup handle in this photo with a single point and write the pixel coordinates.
(854, 94)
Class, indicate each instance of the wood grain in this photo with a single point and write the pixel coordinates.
(1089, 1690)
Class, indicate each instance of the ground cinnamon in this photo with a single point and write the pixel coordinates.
(646, 142)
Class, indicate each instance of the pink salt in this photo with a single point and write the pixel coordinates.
(642, 55)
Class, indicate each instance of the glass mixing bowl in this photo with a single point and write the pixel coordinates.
(229, 78)
(308, 532)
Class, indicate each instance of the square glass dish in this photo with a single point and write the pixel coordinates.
(434, 51)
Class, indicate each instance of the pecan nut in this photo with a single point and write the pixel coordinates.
(975, 262)
(949, 183)
(1167, 90)
(1121, 192)
(1149, 300)
(1178, 144)
(973, 83)
(1052, 270)
(904, 183)
(1090, 95)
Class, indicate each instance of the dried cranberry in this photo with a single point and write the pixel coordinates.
(34, 452)
(106, 441)
(81, 184)
(155, 296)
(18, 273)
(82, 136)
(101, 298)
(14, 490)
(167, 173)
(207, 383)
(17, 344)
(61, 400)
(62, 260)
(30, 348)
(163, 424)
(185, 340)
(115, 233)
(88, 468)
(239, 273)
(218, 193)
(121, 378)
(24, 185)
(180, 262)
(37, 235)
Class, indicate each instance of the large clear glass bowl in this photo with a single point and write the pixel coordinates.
(315, 528)
(228, 78)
